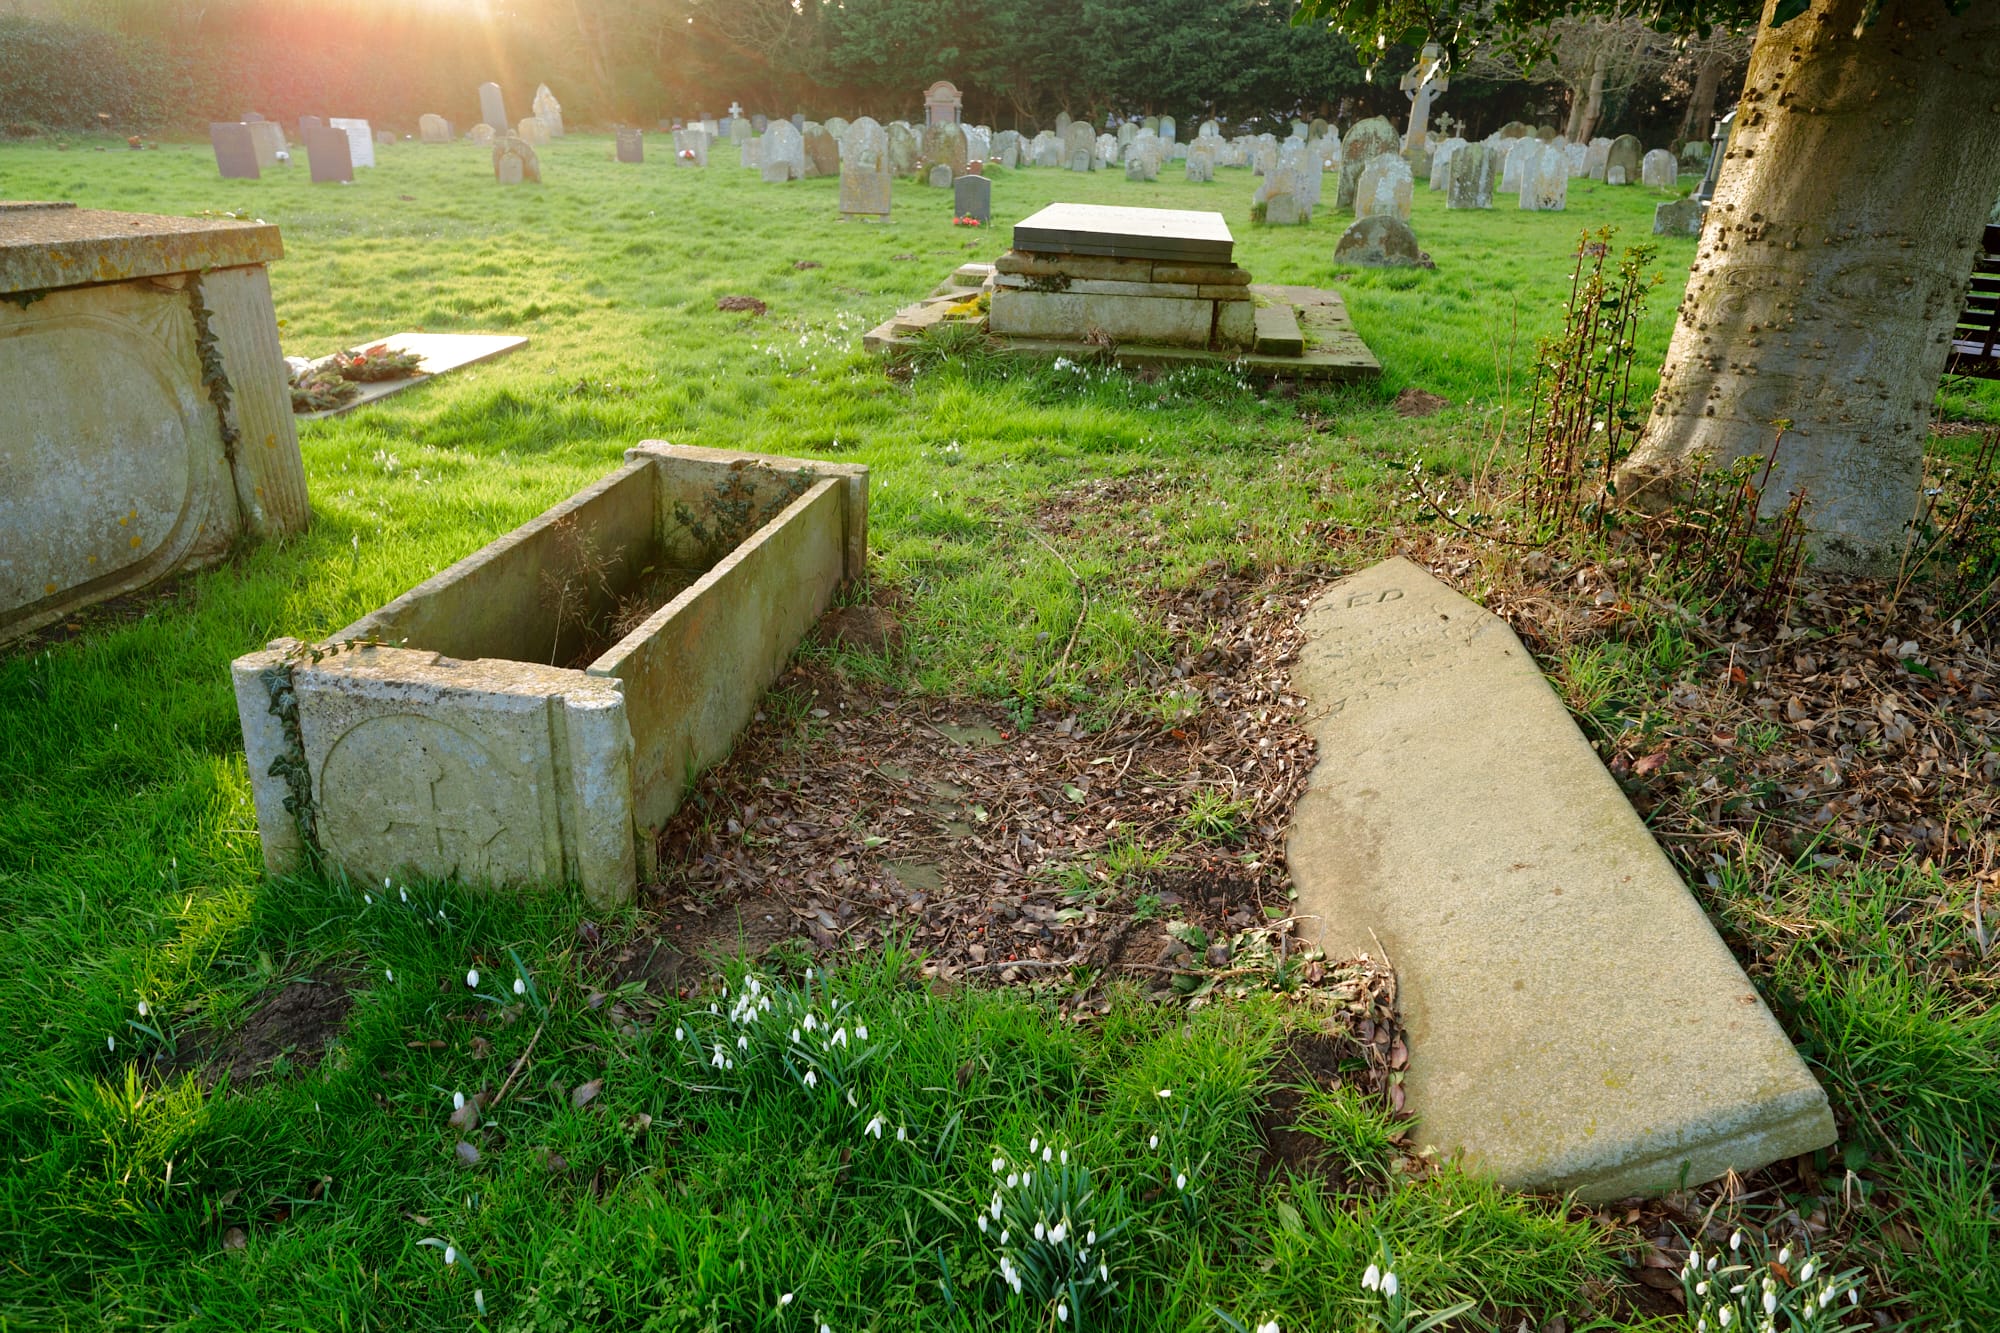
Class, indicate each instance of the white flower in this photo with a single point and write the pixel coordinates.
(1038, 1231)
(389, 973)
(1388, 1284)
(998, 1166)
(1854, 1295)
(1047, 1155)
(1268, 1326)
(472, 978)
(1057, 1233)
(902, 1134)
(111, 1043)
(718, 1057)
(785, 1299)
(850, 1098)
(1826, 1298)
(1180, 1181)
(1103, 1271)
(1701, 1288)
(1153, 1142)
(1164, 1092)
(479, 1299)
(826, 1328)
(742, 1043)
(458, 1101)
(1005, 1235)
(404, 892)
(450, 1256)
(874, 1127)
(1726, 1315)
(1012, 1180)
(812, 1079)
(368, 899)
(1806, 1271)
(1091, 1239)
(1785, 1255)
(143, 1011)
(1034, 1144)
(861, 1031)
(996, 1207)
(680, 1034)
(1770, 1302)
(1372, 1279)
(1062, 1311)
(520, 986)
(1736, 1240)
(812, 1024)
(1065, 1157)
(982, 1224)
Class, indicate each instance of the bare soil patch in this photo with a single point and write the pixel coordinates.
(294, 1026)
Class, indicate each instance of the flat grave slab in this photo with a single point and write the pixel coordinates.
(1575, 1022)
(1126, 233)
(441, 352)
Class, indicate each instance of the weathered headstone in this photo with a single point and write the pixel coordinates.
(235, 150)
(1366, 141)
(1167, 129)
(329, 155)
(492, 106)
(515, 163)
(1201, 162)
(1007, 149)
(482, 134)
(1048, 150)
(268, 137)
(1278, 199)
(1503, 920)
(1659, 169)
(1422, 84)
(360, 139)
(1545, 180)
(1441, 162)
(781, 153)
(533, 129)
(1385, 188)
(548, 110)
(822, 152)
(944, 145)
(972, 197)
(434, 129)
(865, 178)
(837, 127)
(1380, 241)
(1062, 124)
(1626, 151)
(1079, 147)
(1471, 184)
(905, 149)
(1515, 154)
(631, 146)
(1678, 217)
(740, 132)
(1594, 155)
(942, 104)
(759, 123)
(940, 176)
(1614, 174)
(309, 123)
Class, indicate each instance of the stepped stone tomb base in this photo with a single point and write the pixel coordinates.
(534, 713)
(148, 423)
(1575, 1022)
(1147, 287)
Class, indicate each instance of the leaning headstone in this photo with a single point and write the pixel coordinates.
(631, 146)
(1366, 141)
(1515, 155)
(944, 145)
(972, 197)
(1381, 241)
(865, 178)
(1594, 155)
(837, 127)
(329, 155)
(1441, 162)
(905, 150)
(1278, 195)
(1626, 151)
(482, 133)
(434, 129)
(269, 139)
(1659, 169)
(1385, 188)
(782, 153)
(548, 110)
(235, 150)
(515, 163)
(1503, 920)
(1678, 217)
(822, 150)
(533, 129)
(360, 139)
(1471, 184)
(940, 177)
(492, 106)
(1545, 181)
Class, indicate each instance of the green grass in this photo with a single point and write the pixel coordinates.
(129, 865)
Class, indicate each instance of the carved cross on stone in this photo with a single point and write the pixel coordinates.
(1425, 80)
(735, 110)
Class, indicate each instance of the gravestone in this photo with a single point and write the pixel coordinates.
(1659, 169)
(1126, 133)
(534, 130)
(1105, 150)
(1079, 147)
(978, 143)
(837, 127)
(548, 110)
(482, 134)
(1441, 162)
(822, 151)
(147, 423)
(1678, 217)
(329, 155)
(1594, 155)
(360, 139)
(1048, 150)
(1368, 140)
(940, 177)
(691, 147)
(1167, 129)
(972, 197)
(1579, 159)
(1201, 163)
(944, 145)
(905, 150)
(1471, 184)
(268, 137)
(1504, 919)
(942, 104)
(1514, 129)
(739, 131)
(631, 146)
(1278, 197)
(492, 106)
(759, 123)
(865, 178)
(1385, 188)
(309, 123)
(1422, 84)
(1626, 151)
(1062, 124)
(1209, 130)
(515, 163)
(1545, 180)
(1007, 149)
(781, 153)
(1380, 241)
(1614, 174)
(235, 150)
(434, 129)
(1515, 156)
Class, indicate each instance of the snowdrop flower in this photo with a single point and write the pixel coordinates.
(1153, 1142)
(1372, 1279)
(368, 900)
(826, 1328)
(1785, 1255)
(520, 986)
(812, 1079)
(1736, 1240)
(1091, 1239)
(1012, 1180)
(1806, 1271)
(1770, 1302)
(874, 1127)
(680, 1034)
(1726, 1315)
(902, 1134)
(389, 972)
(812, 1024)
(1164, 1092)
(458, 1101)
(1388, 1285)
(861, 1031)
(450, 1256)
(1038, 1231)
(996, 1207)
(472, 978)
(742, 1043)
(1005, 1235)
(143, 1011)
(1065, 1157)
(785, 1299)
(1701, 1288)
(479, 1300)
(111, 1043)
(405, 893)
(1268, 1326)
(718, 1057)
(1180, 1181)
(1062, 1312)
(1057, 1233)
(1854, 1295)
(1826, 1298)
(850, 1098)
(998, 1166)
(1034, 1144)
(1103, 1271)
(982, 1224)
(1047, 1155)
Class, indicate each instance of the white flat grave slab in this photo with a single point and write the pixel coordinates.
(1127, 233)
(1575, 1022)
(441, 352)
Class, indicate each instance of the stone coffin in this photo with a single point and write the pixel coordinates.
(118, 463)
(495, 739)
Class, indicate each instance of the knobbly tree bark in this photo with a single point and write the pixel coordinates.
(1863, 164)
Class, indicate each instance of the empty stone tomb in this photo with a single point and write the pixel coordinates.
(534, 713)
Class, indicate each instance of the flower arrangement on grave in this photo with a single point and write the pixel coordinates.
(372, 364)
(687, 154)
(965, 222)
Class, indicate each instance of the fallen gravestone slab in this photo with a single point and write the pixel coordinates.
(1575, 1022)
(441, 352)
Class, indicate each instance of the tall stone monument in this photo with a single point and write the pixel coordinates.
(1422, 84)
(493, 107)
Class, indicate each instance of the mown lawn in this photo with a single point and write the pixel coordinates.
(681, 1195)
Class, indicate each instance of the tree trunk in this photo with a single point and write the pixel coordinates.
(1593, 103)
(1835, 256)
(1700, 117)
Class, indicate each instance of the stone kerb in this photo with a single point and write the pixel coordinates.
(1575, 1022)
(457, 750)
